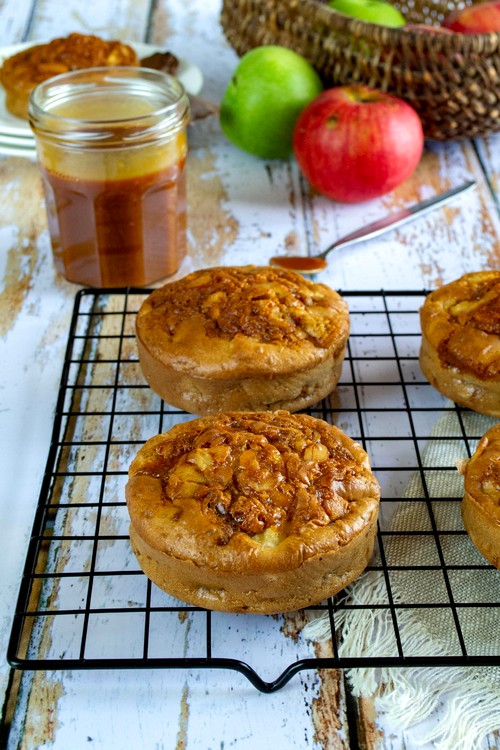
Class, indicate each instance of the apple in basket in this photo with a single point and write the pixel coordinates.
(354, 143)
(371, 11)
(476, 19)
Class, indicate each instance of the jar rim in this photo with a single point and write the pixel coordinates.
(76, 83)
(164, 93)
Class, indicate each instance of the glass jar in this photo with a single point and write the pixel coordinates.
(112, 147)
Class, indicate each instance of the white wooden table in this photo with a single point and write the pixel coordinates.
(241, 210)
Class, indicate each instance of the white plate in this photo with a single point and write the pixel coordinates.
(188, 73)
(28, 152)
(20, 141)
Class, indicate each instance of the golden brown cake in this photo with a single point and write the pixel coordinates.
(252, 512)
(242, 338)
(460, 351)
(481, 501)
(25, 70)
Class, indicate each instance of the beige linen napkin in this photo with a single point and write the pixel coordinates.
(463, 702)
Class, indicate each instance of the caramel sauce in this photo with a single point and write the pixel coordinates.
(253, 472)
(112, 165)
(122, 232)
(263, 303)
(467, 324)
(301, 264)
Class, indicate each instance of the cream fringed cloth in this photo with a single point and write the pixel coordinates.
(464, 702)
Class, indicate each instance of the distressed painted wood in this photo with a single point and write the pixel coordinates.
(15, 20)
(119, 18)
(489, 153)
(241, 210)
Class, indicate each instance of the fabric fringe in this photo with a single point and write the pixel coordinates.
(466, 708)
(463, 701)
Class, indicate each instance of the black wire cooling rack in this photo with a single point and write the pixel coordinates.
(84, 603)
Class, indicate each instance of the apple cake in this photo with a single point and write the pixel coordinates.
(242, 338)
(481, 501)
(25, 70)
(460, 349)
(252, 512)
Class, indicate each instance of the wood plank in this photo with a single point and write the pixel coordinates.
(15, 17)
(468, 240)
(240, 210)
(489, 153)
(119, 19)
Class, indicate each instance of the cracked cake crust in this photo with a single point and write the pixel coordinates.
(252, 512)
(481, 501)
(460, 351)
(25, 70)
(249, 337)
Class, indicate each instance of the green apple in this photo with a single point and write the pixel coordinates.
(372, 11)
(270, 87)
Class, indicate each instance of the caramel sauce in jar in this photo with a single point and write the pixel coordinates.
(112, 148)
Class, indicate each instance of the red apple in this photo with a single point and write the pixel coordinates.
(354, 143)
(476, 19)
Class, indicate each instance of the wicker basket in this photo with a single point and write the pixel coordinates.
(452, 80)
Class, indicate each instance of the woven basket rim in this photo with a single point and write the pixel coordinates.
(452, 80)
(485, 44)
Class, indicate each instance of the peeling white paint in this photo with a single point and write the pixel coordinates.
(261, 209)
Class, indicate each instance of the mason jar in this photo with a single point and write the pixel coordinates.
(112, 148)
